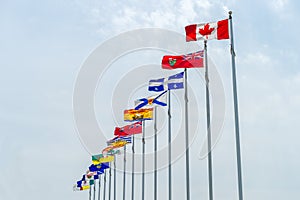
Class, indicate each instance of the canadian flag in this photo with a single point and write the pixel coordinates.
(214, 30)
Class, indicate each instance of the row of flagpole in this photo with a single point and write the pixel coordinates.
(186, 118)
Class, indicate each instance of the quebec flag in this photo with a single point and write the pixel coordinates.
(175, 81)
(171, 83)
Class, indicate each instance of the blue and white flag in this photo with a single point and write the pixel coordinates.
(149, 102)
(124, 138)
(175, 81)
(171, 83)
(157, 85)
(119, 138)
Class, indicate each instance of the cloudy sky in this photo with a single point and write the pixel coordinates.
(43, 45)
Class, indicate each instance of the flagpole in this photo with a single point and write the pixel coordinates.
(109, 190)
(90, 193)
(104, 188)
(143, 162)
(94, 197)
(124, 173)
(99, 188)
(236, 115)
(169, 144)
(187, 154)
(132, 175)
(115, 178)
(155, 153)
(208, 126)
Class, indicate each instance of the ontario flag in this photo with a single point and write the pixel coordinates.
(190, 60)
(207, 31)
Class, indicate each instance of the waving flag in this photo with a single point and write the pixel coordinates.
(83, 185)
(190, 60)
(84, 182)
(137, 115)
(207, 31)
(113, 152)
(87, 177)
(118, 144)
(98, 159)
(98, 168)
(157, 85)
(126, 139)
(108, 149)
(171, 83)
(108, 152)
(149, 102)
(135, 128)
(175, 81)
(90, 173)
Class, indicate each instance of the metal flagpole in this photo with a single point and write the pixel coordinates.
(99, 188)
(169, 143)
(132, 176)
(143, 162)
(90, 193)
(124, 173)
(104, 188)
(109, 190)
(94, 197)
(236, 115)
(208, 126)
(115, 178)
(186, 137)
(155, 153)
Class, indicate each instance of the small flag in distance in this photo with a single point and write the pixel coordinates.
(126, 139)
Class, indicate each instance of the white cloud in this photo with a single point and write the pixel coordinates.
(283, 9)
(279, 5)
(171, 14)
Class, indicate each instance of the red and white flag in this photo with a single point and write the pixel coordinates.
(214, 30)
(190, 60)
(135, 128)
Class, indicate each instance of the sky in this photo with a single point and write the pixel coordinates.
(45, 44)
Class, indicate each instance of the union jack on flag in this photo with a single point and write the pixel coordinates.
(194, 56)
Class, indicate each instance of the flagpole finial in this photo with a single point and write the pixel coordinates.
(230, 13)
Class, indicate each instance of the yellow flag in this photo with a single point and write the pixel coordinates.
(85, 187)
(106, 159)
(120, 143)
(103, 160)
(95, 162)
(141, 114)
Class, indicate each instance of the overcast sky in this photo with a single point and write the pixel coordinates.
(43, 45)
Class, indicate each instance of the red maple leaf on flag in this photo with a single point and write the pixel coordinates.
(206, 30)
